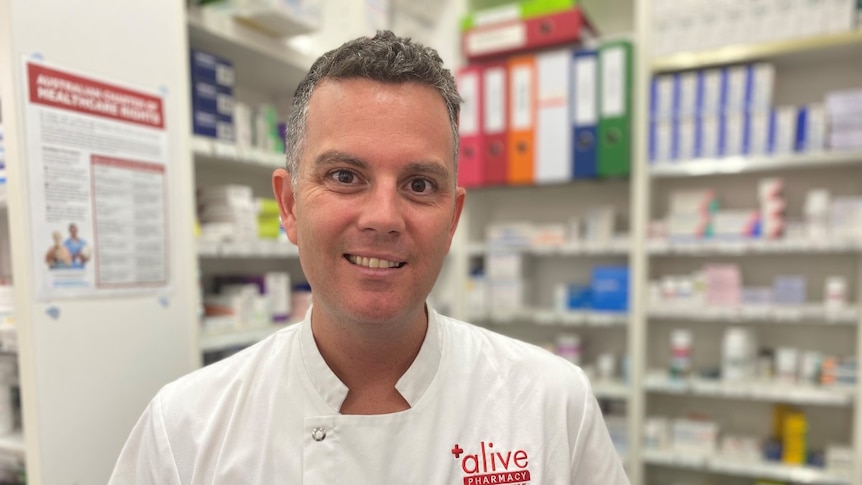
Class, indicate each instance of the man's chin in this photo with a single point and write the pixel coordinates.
(388, 313)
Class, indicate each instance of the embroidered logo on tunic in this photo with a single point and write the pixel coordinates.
(489, 466)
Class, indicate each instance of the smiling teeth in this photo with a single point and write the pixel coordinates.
(373, 262)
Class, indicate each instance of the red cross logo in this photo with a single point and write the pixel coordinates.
(457, 451)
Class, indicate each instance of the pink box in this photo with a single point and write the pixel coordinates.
(723, 284)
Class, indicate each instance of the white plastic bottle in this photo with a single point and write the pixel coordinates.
(738, 355)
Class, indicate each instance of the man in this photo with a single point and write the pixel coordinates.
(373, 387)
(77, 247)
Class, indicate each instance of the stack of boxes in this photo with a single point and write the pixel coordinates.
(257, 128)
(694, 214)
(844, 109)
(846, 217)
(250, 300)
(691, 214)
(770, 195)
(789, 443)
(729, 112)
(227, 213)
(213, 80)
(722, 285)
(505, 282)
(694, 25)
(268, 219)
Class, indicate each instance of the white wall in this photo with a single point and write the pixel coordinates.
(87, 375)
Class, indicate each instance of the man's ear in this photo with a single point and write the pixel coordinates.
(283, 188)
(460, 195)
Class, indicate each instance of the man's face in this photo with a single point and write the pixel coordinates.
(375, 206)
(73, 231)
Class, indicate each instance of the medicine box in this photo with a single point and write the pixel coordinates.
(212, 80)
(610, 288)
(212, 69)
(811, 128)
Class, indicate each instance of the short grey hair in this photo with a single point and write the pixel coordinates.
(386, 58)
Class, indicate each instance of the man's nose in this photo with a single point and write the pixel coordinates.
(384, 210)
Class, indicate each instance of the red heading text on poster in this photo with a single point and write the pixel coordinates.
(60, 89)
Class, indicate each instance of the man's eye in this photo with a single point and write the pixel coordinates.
(421, 185)
(343, 176)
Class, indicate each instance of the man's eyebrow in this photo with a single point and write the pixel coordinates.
(334, 157)
(430, 168)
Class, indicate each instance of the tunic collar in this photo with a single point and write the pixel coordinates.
(412, 385)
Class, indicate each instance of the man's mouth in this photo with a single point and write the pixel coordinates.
(373, 263)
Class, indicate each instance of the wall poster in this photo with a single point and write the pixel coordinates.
(97, 155)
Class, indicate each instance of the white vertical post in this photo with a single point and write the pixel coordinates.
(638, 257)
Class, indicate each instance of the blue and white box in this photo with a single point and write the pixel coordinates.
(663, 97)
(783, 130)
(708, 142)
(205, 124)
(610, 288)
(663, 148)
(738, 95)
(811, 128)
(713, 88)
(687, 86)
(213, 69)
(213, 79)
(734, 134)
(759, 133)
(684, 143)
(210, 98)
(761, 86)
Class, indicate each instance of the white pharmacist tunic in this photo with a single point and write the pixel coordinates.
(485, 409)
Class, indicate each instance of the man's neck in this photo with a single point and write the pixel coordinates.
(369, 357)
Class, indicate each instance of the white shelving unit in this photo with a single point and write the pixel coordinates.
(747, 469)
(611, 389)
(806, 69)
(251, 249)
(753, 247)
(754, 391)
(731, 165)
(766, 314)
(263, 62)
(212, 340)
(538, 316)
(268, 70)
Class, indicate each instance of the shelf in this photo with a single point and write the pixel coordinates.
(710, 247)
(604, 389)
(13, 444)
(249, 249)
(786, 51)
(814, 314)
(275, 21)
(753, 469)
(220, 338)
(261, 62)
(613, 247)
(752, 391)
(734, 165)
(551, 317)
(207, 150)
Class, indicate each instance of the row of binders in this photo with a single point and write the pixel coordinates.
(546, 117)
